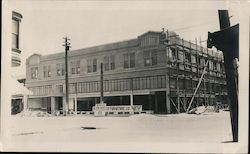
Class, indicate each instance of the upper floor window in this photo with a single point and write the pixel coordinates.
(150, 58)
(109, 63)
(180, 56)
(187, 57)
(215, 66)
(218, 67)
(129, 60)
(172, 53)
(15, 34)
(34, 72)
(201, 62)
(149, 41)
(92, 65)
(47, 71)
(193, 59)
(75, 67)
(60, 69)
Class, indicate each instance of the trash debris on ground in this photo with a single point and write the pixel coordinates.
(202, 109)
(29, 113)
(83, 128)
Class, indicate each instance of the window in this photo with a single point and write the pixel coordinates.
(187, 57)
(201, 62)
(180, 56)
(150, 41)
(218, 67)
(147, 58)
(172, 54)
(34, 72)
(210, 65)
(154, 58)
(89, 65)
(150, 58)
(109, 63)
(46, 71)
(112, 62)
(172, 83)
(193, 59)
(60, 69)
(129, 60)
(15, 34)
(215, 66)
(75, 67)
(92, 65)
(106, 63)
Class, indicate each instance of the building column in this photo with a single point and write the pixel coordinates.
(131, 95)
(131, 99)
(25, 105)
(168, 105)
(75, 104)
(120, 100)
(65, 106)
(156, 103)
(149, 102)
(185, 101)
(53, 104)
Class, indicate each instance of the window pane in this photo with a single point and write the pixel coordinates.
(193, 59)
(15, 26)
(132, 60)
(94, 65)
(14, 41)
(49, 71)
(89, 65)
(154, 57)
(180, 56)
(125, 56)
(106, 63)
(146, 58)
(112, 62)
(44, 71)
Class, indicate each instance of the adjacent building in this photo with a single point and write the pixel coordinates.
(18, 91)
(15, 50)
(157, 70)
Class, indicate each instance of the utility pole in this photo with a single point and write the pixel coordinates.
(227, 40)
(66, 102)
(231, 78)
(101, 82)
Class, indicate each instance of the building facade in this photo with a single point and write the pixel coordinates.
(157, 70)
(15, 47)
(17, 97)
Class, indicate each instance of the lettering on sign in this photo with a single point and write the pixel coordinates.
(118, 108)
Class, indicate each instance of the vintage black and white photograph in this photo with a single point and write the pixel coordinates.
(125, 76)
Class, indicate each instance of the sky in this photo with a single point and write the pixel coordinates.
(91, 23)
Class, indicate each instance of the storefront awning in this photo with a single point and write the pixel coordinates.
(18, 89)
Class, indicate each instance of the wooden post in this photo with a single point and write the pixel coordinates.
(231, 76)
(101, 83)
(132, 92)
(168, 105)
(178, 91)
(75, 104)
(66, 102)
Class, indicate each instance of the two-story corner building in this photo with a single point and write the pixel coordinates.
(155, 70)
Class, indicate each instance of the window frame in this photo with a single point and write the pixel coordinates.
(15, 33)
(34, 72)
(150, 57)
